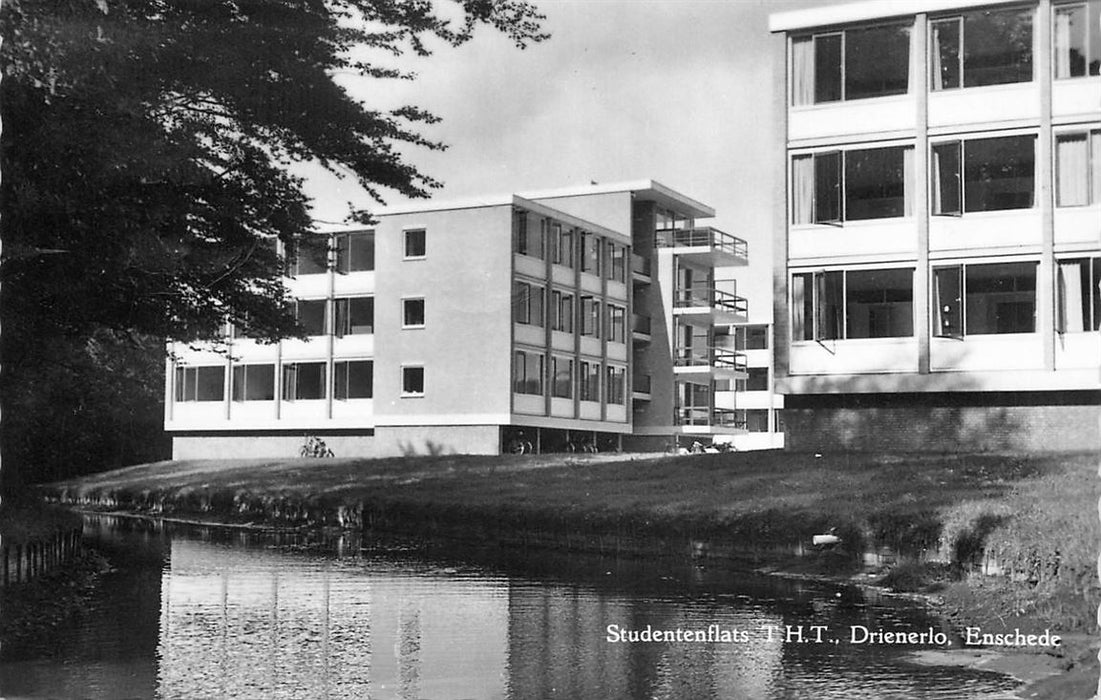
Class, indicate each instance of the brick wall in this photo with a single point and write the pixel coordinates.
(939, 422)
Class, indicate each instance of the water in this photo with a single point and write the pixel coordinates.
(197, 613)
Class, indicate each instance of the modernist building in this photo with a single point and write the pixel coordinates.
(570, 319)
(754, 400)
(938, 252)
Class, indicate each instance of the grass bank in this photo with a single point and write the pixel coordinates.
(1033, 516)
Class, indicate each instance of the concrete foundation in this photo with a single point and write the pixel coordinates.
(273, 446)
(437, 440)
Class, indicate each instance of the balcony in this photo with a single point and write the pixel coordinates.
(709, 421)
(716, 361)
(640, 328)
(640, 388)
(641, 269)
(716, 306)
(704, 245)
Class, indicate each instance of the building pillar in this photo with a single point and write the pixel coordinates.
(1045, 279)
(780, 312)
(919, 84)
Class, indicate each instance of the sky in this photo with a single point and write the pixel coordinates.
(678, 91)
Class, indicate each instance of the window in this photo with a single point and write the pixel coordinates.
(617, 324)
(617, 385)
(527, 375)
(851, 65)
(354, 316)
(527, 304)
(756, 379)
(1078, 168)
(751, 338)
(200, 383)
(415, 246)
(1078, 295)
(354, 379)
(253, 382)
(562, 377)
(617, 262)
(355, 252)
(307, 256)
(755, 419)
(562, 244)
(412, 381)
(853, 304)
(590, 253)
(412, 313)
(310, 314)
(852, 185)
(997, 174)
(562, 308)
(590, 316)
(590, 381)
(1077, 39)
(527, 234)
(984, 47)
(984, 299)
(303, 381)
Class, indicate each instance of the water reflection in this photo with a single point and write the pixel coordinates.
(205, 613)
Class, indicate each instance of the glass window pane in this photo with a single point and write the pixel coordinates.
(309, 380)
(1072, 177)
(947, 193)
(313, 255)
(209, 383)
(1001, 298)
(357, 381)
(877, 61)
(999, 173)
(879, 303)
(875, 183)
(827, 187)
(948, 293)
(757, 379)
(361, 315)
(997, 47)
(415, 244)
(1070, 38)
(311, 316)
(829, 294)
(412, 380)
(946, 54)
(413, 312)
(827, 68)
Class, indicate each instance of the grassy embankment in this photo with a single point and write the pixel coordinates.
(1036, 515)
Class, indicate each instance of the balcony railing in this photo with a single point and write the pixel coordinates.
(717, 417)
(701, 237)
(641, 265)
(723, 358)
(640, 323)
(702, 295)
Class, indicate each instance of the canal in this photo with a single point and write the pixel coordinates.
(209, 613)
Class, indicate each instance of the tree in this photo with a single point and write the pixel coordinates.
(145, 148)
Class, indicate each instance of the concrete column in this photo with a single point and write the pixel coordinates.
(780, 312)
(1045, 281)
(919, 87)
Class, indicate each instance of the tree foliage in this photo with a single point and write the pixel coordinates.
(145, 147)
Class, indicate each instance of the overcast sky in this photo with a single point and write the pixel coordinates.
(678, 91)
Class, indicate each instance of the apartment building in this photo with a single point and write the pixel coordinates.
(756, 405)
(938, 250)
(577, 319)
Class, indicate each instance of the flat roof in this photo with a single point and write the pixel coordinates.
(867, 10)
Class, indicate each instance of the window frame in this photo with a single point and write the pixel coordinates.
(822, 300)
(1092, 138)
(842, 68)
(406, 370)
(341, 389)
(407, 237)
(529, 306)
(941, 327)
(1093, 36)
(244, 368)
(556, 362)
(290, 391)
(961, 172)
(405, 301)
(564, 318)
(342, 246)
(616, 323)
(615, 381)
(840, 188)
(342, 315)
(589, 381)
(529, 366)
(187, 376)
(935, 84)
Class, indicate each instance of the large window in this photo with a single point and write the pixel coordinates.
(562, 308)
(984, 174)
(561, 239)
(303, 381)
(617, 262)
(617, 385)
(355, 252)
(354, 379)
(590, 253)
(253, 382)
(307, 256)
(853, 304)
(617, 324)
(562, 377)
(751, 338)
(590, 316)
(1079, 295)
(984, 299)
(527, 234)
(1077, 39)
(527, 305)
(590, 381)
(984, 47)
(415, 244)
(1078, 168)
(850, 65)
(200, 383)
(354, 316)
(756, 379)
(528, 373)
(837, 186)
(310, 314)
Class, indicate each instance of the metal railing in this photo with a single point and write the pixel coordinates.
(701, 237)
(717, 417)
(724, 358)
(703, 295)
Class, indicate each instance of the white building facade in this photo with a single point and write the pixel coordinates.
(938, 250)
